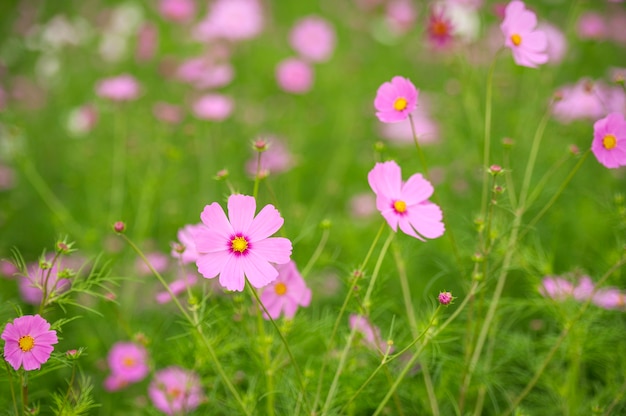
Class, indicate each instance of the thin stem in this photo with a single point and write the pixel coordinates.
(618, 399)
(44, 288)
(487, 140)
(9, 372)
(265, 346)
(24, 382)
(257, 176)
(420, 152)
(69, 388)
(118, 172)
(317, 253)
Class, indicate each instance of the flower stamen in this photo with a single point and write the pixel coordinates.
(400, 104)
(399, 206)
(26, 343)
(516, 39)
(609, 141)
(280, 288)
(239, 244)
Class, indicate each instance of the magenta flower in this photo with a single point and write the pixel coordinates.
(175, 391)
(395, 100)
(439, 29)
(370, 333)
(609, 298)
(31, 286)
(406, 204)
(313, 38)
(121, 88)
(609, 140)
(128, 362)
(28, 342)
(529, 46)
(177, 10)
(240, 246)
(185, 249)
(231, 19)
(294, 75)
(286, 293)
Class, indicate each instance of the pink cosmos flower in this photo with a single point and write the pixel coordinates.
(175, 391)
(147, 40)
(362, 205)
(8, 269)
(556, 288)
(177, 287)
(609, 141)
(371, 333)
(167, 113)
(231, 19)
(313, 38)
(405, 204)
(28, 342)
(592, 26)
(616, 24)
(240, 246)
(294, 75)
(31, 286)
(121, 88)
(185, 250)
(557, 42)
(439, 29)
(205, 72)
(395, 100)
(400, 16)
(609, 298)
(286, 293)
(128, 362)
(214, 107)
(588, 99)
(527, 44)
(177, 10)
(276, 159)
(82, 120)
(584, 289)
(158, 260)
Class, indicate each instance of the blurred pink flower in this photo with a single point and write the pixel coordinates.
(609, 141)
(588, 99)
(616, 24)
(28, 342)
(147, 40)
(158, 260)
(592, 25)
(609, 298)
(214, 107)
(285, 294)
(240, 246)
(426, 129)
(439, 28)
(115, 382)
(128, 362)
(167, 113)
(583, 289)
(185, 250)
(395, 100)
(294, 75)
(177, 287)
(526, 42)
(231, 19)
(400, 16)
(121, 88)
(175, 391)
(8, 269)
(31, 286)
(363, 205)
(7, 177)
(82, 119)
(370, 333)
(475, 4)
(4, 99)
(204, 72)
(313, 38)
(276, 159)
(556, 288)
(557, 43)
(179, 11)
(406, 204)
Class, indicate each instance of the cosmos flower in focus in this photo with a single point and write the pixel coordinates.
(28, 342)
(529, 46)
(395, 100)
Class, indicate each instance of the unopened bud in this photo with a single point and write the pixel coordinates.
(119, 227)
(445, 298)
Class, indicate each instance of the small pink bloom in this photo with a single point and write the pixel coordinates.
(121, 88)
(371, 333)
(400, 16)
(147, 39)
(28, 342)
(556, 288)
(406, 204)
(584, 289)
(609, 141)
(8, 269)
(205, 72)
(276, 159)
(439, 28)
(31, 286)
(445, 298)
(214, 107)
(128, 362)
(240, 246)
(115, 382)
(294, 75)
(395, 100)
(363, 205)
(285, 294)
(231, 19)
(527, 44)
(167, 113)
(591, 25)
(186, 251)
(179, 11)
(82, 120)
(158, 260)
(616, 24)
(609, 298)
(313, 38)
(557, 43)
(175, 391)
(588, 100)
(177, 287)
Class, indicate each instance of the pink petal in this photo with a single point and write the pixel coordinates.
(266, 223)
(275, 250)
(210, 241)
(30, 362)
(386, 178)
(241, 210)
(416, 190)
(258, 270)
(426, 219)
(232, 274)
(213, 216)
(211, 264)
(407, 228)
(14, 357)
(392, 218)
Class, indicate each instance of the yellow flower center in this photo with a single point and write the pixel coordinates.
(516, 39)
(26, 343)
(399, 206)
(280, 288)
(400, 104)
(239, 244)
(609, 141)
(128, 362)
(174, 392)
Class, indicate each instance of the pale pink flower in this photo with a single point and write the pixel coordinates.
(8, 269)
(7, 177)
(31, 286)
(214, 107)
(231, 19)
(395, 100)
(313, 38)
(167, 113)
(294, 75)
(285, 294)
(115, 382)
(556, 288)
(439, 28)
(158, 260)
(592, 25)
(557, 43)
(400, 16)
(583, 289)
(28, 342)
(147, 40)
(370, 333)
(121, 88)
(276, 159)
(82, 120)
(588, 100)
(609, 141)
(175, 391)
(526, 42)
(616, 24)
(179, 11)
(204, 72)
(363, 205)
(609, 298)
(128, 362)
(426, 129)
(177, 287)
(185, 250)
(240, 246)
(406, 204)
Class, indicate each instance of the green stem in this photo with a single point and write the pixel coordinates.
(118, 172)
(44, 288)
(11, 387)
(420, 152)
(317, 253)
(487, 140)
(257, 176)
(618, 399)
